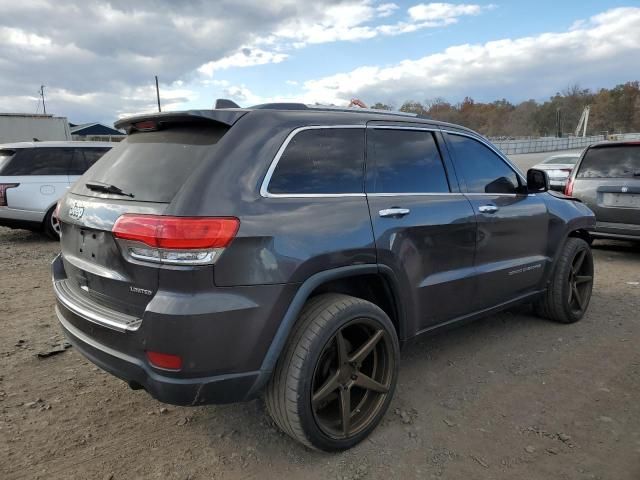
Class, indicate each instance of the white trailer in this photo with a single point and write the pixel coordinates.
(25, 127)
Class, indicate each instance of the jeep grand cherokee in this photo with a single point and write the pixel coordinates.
(289, 251)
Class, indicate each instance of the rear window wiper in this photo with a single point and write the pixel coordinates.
(107, 188)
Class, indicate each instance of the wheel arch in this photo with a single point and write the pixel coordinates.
(351, 280)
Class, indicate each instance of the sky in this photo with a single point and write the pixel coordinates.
(97, 59)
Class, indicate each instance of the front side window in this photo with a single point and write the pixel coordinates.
(321, 161)
(39, 161)
(404, 161)
(482, 170)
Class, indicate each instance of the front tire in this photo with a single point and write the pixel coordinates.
(568, 294)
(336, 377)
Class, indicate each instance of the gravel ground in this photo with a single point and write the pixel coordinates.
(511, 396)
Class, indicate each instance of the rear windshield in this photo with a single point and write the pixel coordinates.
(611, 162)
(566, 160)
(152, 166)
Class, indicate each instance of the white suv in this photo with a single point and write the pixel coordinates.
(34, 175)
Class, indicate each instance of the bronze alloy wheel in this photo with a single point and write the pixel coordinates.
(580, 281)
(352, 378)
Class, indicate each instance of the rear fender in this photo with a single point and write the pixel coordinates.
(306, 289)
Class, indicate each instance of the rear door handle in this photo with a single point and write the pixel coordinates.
(488, 209)
(394, 212)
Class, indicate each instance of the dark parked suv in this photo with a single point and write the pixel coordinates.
(289, 251)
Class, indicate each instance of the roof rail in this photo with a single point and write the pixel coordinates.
(280, 106)
(302, 106)
(362, 110)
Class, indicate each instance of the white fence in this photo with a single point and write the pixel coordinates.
(552, 144)
(548, 144)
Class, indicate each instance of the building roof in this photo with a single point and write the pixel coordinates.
(57, 144)
(94, 129)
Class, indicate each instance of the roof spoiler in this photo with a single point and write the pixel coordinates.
(225, 116)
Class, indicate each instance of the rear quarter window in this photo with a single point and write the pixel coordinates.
(154, 165)
(611, 162)
(5, 158)
(321, 161)
(39, 161)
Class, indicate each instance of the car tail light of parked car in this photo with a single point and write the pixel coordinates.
(175, 240)
(568, 190)
(3, 192)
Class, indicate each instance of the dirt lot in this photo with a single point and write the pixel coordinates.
(511, 396)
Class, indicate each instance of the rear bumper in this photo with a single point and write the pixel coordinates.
(622, 231)
(222, 338)
(176, 391)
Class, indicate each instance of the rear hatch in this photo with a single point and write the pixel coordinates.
(141, 175)
(608, 181)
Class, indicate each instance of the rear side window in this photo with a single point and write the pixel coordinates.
(83, 158)
(321, 161)
(405, 161)
(5, 158)
(39, 161)
(482, 170)
(152, 166)
(611, 162)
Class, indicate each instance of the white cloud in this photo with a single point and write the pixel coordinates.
(244, 57)
(355, 20)
(386, 9)
(442, 12)
(605, 46)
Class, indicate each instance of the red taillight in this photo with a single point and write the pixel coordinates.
(175, 240)
(568, 189)
(3, 192)
(177, 232)
(166, 361)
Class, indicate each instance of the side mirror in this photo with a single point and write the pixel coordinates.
(537, 181)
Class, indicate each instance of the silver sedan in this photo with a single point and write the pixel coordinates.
(559, 168)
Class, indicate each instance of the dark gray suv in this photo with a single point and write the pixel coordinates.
(289, 251)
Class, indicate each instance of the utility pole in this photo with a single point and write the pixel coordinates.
(559, 123)
(158, 94)
(44, 106)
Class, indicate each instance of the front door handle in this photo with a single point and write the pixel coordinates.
(488, 209)
(394, 212)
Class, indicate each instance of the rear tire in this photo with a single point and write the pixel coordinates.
(51, 225)
(567, 297)
(335, 378)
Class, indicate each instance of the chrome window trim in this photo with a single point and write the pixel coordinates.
(264, 187)
(494, 150)
(414, 194)
(403, 127)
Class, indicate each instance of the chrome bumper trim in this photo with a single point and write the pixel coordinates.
(91, 312)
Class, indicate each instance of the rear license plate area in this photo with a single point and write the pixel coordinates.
(621, 200)
(89, 243)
